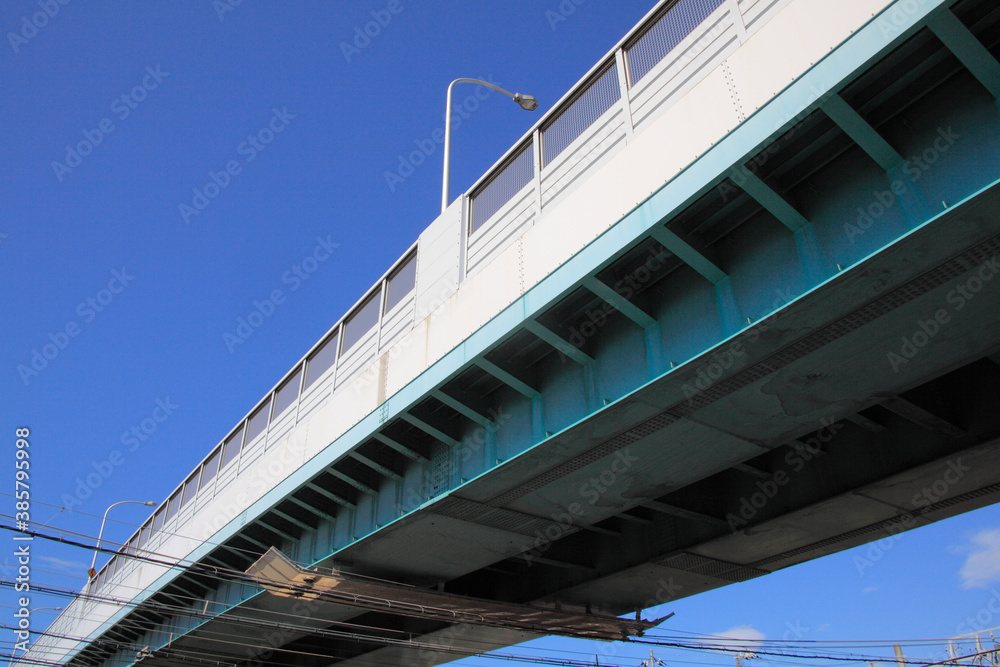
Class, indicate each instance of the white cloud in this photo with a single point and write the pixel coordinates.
(870, 589)
(741, 638)
(75, 566)
(982, 566)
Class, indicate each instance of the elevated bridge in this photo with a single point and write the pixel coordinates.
(730, 306)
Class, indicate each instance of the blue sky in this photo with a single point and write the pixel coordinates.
(113, 255)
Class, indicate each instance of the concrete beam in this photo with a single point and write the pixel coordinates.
(923, 418)
(561, 564)
(750, 470)
(865, 423)
(682, 513)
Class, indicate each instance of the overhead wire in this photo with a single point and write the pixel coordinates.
(216, 572)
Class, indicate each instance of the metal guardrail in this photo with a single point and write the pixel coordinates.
(503, 185)
(648, 46)
(665, 34)
(574, 119)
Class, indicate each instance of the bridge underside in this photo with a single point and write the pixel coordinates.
(807, 358)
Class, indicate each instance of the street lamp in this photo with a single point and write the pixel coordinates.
(148, 503)
(526, 102)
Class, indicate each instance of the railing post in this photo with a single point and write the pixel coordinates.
(620, 62)
(737, 15)
(536, 146)
(465, 222)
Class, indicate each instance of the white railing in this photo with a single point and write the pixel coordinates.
(670, 51)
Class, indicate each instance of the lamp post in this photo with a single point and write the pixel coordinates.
(148, 503)
(526, 102)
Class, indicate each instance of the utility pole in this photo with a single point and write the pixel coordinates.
(652, 662)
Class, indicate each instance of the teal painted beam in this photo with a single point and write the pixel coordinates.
(377, 467)
(863, 134)
(769, 199)
(435, 433)
(276, 531)
(260, 545)
(701, 259)
(331, 496)
(347, 479)
(564, 347)
(967, 49)
(400, 447)
(620, 303)
(292, 520)
(309, 508)
(213, 559)
(462, 408)
(185, 589)
(518, 385)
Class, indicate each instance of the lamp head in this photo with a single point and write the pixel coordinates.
(527, 102)
(150, 503)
